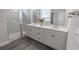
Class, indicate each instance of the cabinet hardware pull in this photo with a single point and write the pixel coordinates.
(38, 38)
(38, 33)
(29, 29)
(52, 35)
(39, 28)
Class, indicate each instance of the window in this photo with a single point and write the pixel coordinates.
(45, 13)
(36, 15)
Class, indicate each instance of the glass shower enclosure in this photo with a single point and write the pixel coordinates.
(13, 24)
(16, 22)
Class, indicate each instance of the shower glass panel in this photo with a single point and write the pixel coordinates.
(13, 24)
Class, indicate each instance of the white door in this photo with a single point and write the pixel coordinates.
(73, 35)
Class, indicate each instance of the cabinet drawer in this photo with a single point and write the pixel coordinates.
(38, 30)
(39, 34)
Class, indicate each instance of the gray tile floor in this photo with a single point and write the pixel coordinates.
(25, 43)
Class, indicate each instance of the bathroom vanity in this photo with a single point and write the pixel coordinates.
(52, 36)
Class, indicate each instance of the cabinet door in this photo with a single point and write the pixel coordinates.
(60, 38)
(49, 38)
(30, 31)
(55, 39)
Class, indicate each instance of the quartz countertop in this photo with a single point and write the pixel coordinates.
(51, 27)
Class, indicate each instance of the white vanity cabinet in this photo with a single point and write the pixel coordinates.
(51, 37)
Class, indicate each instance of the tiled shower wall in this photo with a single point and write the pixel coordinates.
(13, 21)
(3, 27)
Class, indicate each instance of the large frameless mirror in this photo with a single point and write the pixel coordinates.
(50, 16)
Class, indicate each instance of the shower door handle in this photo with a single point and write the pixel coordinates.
(21, 29)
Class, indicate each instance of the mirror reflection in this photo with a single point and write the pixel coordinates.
(50, 16)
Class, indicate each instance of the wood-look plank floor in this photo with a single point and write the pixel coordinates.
(25, 43)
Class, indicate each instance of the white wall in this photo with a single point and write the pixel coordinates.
(73, 34)
(3, 27)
